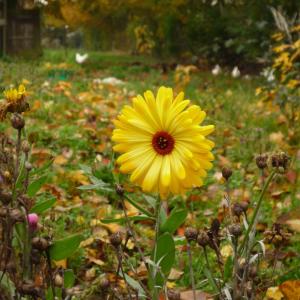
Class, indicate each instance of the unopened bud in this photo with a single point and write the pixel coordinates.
(226, 173)
(33, 220)
(237, 209)
(191, 234)
(5, 197)
(17, 121)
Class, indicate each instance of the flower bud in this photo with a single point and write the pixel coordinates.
(5, 197)
(191, 234)
(33, 220)
(226, 173)
(116, 239)
(203, 238)
(17, 121)
(244, 205)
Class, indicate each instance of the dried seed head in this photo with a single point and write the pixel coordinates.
(104, 283)
(58, 280)
(280, 161)
(262, 161)
(226, 173)
(25, 146)
(253, 271)
(244, 205)
(191, 234)
(237, 209)
(173, 295)
(28, 288)
(40, 243)
(235, 230)
(203, 238)
(119, 190)
(116, 239)
(17, 121)
(3, 212)
(16, 215)
(5, 197)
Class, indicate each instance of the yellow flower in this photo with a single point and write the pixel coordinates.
(14, 95)
(164, 147)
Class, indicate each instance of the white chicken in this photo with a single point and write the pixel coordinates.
(236, 72)
(216, 70)
(80, 59)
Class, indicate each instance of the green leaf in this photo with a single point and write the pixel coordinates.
(176, 218)
(135, 284)
(228, 268)
(36, 185)
(64, 248)
(138, 206)
(46, 166)
(7, 286)
(42, 206)
(69, 278)
(165, 258)
(210, 279)
(123, 220)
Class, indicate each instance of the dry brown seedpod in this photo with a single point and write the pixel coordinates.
(262, 161)
(116, 239)
(40, 243)
(16, 215)
(203, 238)
(226, 173)
(58, 280)
(235, 230)
(104, 283)
(119, 189)
(191, 234)
(17, 121)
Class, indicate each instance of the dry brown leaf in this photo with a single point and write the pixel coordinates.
(291, 289)
(294, 224)
(175, 274)
(188, 295)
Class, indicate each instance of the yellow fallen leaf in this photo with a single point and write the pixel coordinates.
(226, 251)
(274, 293)
(294, 224)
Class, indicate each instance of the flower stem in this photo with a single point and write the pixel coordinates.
(254, 217)
(157, 218)
(191, 269)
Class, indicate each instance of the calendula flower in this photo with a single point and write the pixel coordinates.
(163, 146)
(14, 95)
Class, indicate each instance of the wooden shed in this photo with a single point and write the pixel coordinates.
(20, 28)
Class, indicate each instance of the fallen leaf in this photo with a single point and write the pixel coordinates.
(188, 295)
(291, 289)
(175, 274)
(274, 293)
(294, 224)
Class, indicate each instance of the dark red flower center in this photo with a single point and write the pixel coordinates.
(163, 142)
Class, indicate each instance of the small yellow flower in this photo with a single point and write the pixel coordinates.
(14, 95)
(163, 146)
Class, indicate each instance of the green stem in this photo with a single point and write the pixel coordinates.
(253, 220)
(157, 212)
(191, 269)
